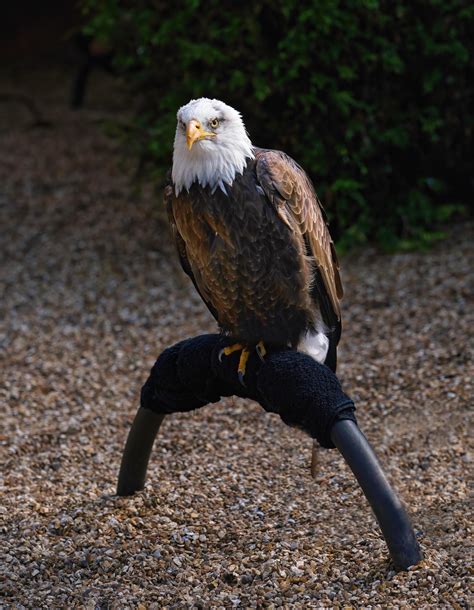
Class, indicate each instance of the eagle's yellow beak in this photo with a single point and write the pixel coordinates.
(195, 132)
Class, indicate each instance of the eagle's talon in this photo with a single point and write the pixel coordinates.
(244, 356)
(228, 350)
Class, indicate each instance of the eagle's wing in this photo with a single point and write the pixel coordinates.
(291, 192)
(168, 197)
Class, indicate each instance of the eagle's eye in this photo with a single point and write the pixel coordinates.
(214, 123)
(182, 124)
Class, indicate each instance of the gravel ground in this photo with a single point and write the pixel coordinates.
(91, 293)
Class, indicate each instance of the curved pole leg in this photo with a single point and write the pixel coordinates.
(389, 511)
(354, 447)
(137, 451)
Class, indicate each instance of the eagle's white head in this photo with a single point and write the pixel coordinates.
(211, 145)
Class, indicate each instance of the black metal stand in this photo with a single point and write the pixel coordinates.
(391, 516)
(136, 454)
(389, 511)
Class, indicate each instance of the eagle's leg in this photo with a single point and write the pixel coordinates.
(244, 356)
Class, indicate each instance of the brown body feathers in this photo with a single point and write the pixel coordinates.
(261, 257)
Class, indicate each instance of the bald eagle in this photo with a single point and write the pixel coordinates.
(252, 236)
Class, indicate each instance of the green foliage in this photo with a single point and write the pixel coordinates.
(369, 96)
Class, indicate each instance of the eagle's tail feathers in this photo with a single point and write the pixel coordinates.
(314, 343)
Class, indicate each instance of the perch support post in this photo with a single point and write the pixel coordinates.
(389, 512)
(137, 451)
(190, 375)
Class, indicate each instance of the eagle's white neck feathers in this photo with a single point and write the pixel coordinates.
(211, 162)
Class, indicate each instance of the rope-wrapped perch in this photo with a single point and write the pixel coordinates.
(191, 374)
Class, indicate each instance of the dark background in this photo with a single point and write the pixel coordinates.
(372, 98)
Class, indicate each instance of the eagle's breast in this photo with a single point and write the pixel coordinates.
(247, 264)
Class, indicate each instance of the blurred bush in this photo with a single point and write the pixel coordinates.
(370, 97)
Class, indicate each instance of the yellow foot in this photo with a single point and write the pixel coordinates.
(230, 349)
(244, 356)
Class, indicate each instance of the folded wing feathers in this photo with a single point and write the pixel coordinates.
(290, 191)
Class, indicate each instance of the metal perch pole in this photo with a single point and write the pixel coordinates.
(389, 511)
(136, 454)
(354, 447)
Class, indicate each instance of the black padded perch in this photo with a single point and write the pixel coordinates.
(191, 374)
